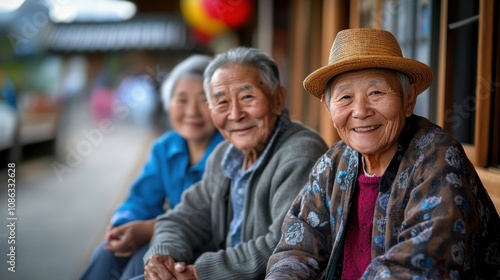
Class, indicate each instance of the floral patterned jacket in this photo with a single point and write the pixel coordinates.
(433, 218)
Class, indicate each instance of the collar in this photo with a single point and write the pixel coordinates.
(403, 142)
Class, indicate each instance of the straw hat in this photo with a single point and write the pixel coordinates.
(362, 48)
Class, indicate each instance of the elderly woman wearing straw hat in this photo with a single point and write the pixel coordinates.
(397, 198)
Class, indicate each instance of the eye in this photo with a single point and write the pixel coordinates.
(180, 100)
(375, 92)
(344, 97)
(247, 97)
(220, 102)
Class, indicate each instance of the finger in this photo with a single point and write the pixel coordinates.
(120, 246)
(150, 275)
(109, 248)
(166, 261)
(116, 232)
(180, 267)
(163, 266)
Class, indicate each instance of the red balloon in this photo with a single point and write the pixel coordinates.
(233, 13)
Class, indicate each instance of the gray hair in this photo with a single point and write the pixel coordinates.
(403, 79)
(246, 56)
(192, 66)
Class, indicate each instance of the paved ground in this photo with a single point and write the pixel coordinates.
(61, 218)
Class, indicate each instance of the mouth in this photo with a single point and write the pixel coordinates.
(367, 128)
(195, 124)
(240, 130)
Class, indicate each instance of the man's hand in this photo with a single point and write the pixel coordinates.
(126, 239)
(165, 268)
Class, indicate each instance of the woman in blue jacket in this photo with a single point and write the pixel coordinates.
(177, 161)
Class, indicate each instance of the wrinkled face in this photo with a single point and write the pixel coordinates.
(368, 110)
(243, 108)
(188, 110)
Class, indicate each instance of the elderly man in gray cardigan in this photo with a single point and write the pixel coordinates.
(249, 182)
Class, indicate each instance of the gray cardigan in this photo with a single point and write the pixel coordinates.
(204, 214)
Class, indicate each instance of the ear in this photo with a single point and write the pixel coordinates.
(411, 100)
(279, 99)
(323, 101)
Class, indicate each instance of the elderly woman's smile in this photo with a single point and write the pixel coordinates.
(366, 128)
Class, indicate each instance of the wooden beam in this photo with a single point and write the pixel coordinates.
(483, 82)
(335, 18)
(442, 80)
(298, 53)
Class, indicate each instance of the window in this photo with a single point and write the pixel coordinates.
(467, 75)
(460, 41)
(463, 36)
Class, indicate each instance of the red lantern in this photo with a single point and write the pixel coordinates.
(197, 18)
(233, 13)
(201, 37)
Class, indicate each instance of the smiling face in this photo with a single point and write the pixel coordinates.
(243, 108)
(368, 110)
(188, 112)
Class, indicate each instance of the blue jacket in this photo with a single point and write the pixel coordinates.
(166, 175)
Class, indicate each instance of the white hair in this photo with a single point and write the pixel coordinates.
(193, 66)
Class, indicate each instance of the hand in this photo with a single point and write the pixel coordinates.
(185, 272)
(165, 268)
(126, 239)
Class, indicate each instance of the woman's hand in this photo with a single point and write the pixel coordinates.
(126, 239)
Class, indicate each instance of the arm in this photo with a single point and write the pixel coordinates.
(126, 239)
(147, 195)
(274, 192)
(305, 244)
(184, 229)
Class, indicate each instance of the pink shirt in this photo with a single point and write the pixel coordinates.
(358, 240)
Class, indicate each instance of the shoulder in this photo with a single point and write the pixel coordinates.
(218, 152)
(434, 150)
(169, 141)
(430, 138)
(168, 136)
(297, 135)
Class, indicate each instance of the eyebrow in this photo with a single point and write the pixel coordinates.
(245, 87)
(377, 81)
(240, 89)
(218, 94)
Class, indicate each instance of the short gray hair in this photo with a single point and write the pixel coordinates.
(403, 79)
(244, 56)
(192, 66)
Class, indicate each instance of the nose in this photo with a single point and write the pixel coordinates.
(193, 107)
(361, 108)
(235, 113)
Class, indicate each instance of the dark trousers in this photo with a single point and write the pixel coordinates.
(104, 265)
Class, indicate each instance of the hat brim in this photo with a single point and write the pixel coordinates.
(420, 74)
